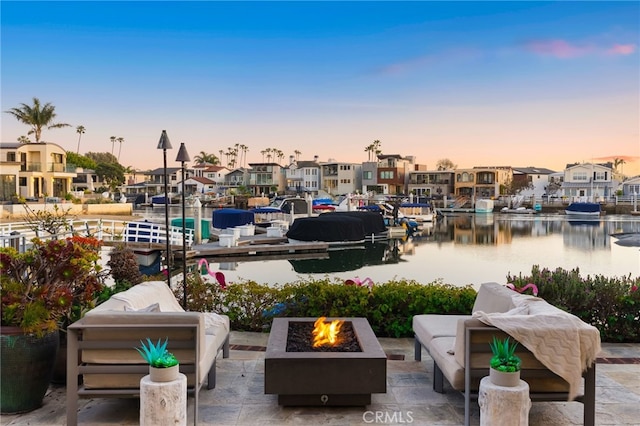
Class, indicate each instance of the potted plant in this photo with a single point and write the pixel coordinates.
(40, 292)
(163, 365)
(505, 365)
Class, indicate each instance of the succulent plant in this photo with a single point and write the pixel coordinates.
(504, 358)
(156, 354)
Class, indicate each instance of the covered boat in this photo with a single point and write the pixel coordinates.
(327, 228)
(583, 209)
(229, 218)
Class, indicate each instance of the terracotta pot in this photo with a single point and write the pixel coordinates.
(501, 378)
(164, 374)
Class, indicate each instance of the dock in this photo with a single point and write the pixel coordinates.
(257, 247)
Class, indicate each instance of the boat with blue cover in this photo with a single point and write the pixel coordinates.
(584, 209)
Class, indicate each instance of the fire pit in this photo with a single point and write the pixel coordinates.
(322, 376)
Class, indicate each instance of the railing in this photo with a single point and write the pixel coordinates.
(19, 234)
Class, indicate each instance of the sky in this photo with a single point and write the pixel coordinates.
(517, 84)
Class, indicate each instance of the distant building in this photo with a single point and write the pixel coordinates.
(590, 181)
(536, 177)
(482, 182)
(34, 170)
(265, 178)
(302, 176)
(432, 183)
(338, 178)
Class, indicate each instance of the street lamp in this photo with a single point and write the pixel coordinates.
(164, 145)
(183, 157)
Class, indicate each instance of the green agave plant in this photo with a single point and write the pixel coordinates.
(156, 354)
(504, 358)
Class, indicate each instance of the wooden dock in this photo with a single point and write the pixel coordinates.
(256, 249)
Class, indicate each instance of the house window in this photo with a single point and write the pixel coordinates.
(580, 176)
(368, 175)
(600, 175)
(388, 174)
(11, 156)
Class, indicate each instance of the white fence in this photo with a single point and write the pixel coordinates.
(20, 234)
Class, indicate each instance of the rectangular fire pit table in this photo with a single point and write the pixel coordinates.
(324, 378)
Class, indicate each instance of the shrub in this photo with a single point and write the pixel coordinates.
(124, 265)
(610, 304)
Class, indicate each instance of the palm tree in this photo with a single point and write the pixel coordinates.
(204, 158)
(263, 152)
(37, 117)
(268, 150)
(618, 162)
(113, 141)
(79, 130)
(297, 153)
(24, 139)
(120, 140)
(243, 156)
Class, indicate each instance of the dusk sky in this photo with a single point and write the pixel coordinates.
(481, 83)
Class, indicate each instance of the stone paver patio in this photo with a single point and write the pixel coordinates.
(239, 398)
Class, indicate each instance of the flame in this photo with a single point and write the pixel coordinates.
(325, 333)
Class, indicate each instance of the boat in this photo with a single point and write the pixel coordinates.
(519, 210)
(338, 228)
(484, 205)
(583, 209)
(421, 212)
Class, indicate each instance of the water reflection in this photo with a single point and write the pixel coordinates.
(469, 249)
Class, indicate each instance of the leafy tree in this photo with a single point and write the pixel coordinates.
(24, 139)
(111, 173)
(79, 130)
(81, 161)
(101, 157)
(37, 117)
(445, 164)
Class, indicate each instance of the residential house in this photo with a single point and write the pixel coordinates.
(431, 183)
(370, 177)
(590, 181)
(198, 185)
(265, 178)
(481, 182)
(154, 183)
(631, 187)
(85, 180)
(302, 176)
(34, 170)
(234, 179)
(534, 180)
(339, 178)
(393, 173)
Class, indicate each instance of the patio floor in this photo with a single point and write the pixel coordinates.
(239, 398)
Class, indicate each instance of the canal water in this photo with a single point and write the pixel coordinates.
(462, 249)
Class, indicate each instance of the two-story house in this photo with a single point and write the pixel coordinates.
(234, 179)
(339, 178)
(534, 180)
(154, 181)
(265, 178)
(590, 181)
(481, 182)
(431, 183)
(393, 173)
(34, 170)
(303, 176)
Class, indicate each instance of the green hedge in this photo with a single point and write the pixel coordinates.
(610, 304)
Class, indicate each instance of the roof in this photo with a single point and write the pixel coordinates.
(203, 180)
(533, 170)
(160, 170)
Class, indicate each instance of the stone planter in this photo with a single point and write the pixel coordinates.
(161, 375)
(501, 378)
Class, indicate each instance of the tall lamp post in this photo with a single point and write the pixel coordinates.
(183, 157)
(164, 145)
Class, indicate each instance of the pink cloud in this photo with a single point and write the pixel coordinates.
(622, 49)
(563, 49)
(558, 48)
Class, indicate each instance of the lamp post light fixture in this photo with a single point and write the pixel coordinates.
(164, 145)
(183, 157)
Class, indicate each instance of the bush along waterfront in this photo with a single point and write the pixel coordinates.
(610, 304)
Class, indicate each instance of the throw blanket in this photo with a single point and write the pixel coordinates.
(562, 342)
